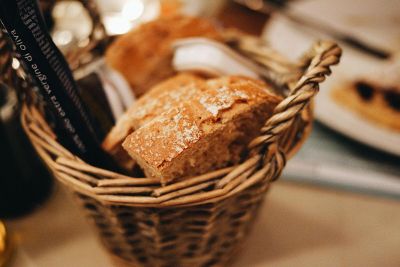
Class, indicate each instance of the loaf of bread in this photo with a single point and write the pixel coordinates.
(143, 56)
(160, 98)
(198, 126)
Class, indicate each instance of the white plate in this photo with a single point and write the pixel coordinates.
(292, 39)
(350, 123)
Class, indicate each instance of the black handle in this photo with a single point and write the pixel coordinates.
(281, 6)
(355, 43)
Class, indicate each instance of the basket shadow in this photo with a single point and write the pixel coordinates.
(282, 231)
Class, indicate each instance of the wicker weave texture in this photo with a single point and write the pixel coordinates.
(199, 221)
(203, 235)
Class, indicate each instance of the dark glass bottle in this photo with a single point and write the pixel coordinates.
(24, 180)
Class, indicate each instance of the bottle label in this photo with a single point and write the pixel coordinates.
(45, 63)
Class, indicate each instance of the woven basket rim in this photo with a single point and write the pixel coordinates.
(264, 165)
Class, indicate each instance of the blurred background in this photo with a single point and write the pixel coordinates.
(337, 203)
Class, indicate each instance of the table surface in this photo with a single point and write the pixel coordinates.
(300, 225)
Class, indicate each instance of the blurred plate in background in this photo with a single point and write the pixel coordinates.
(375, 22)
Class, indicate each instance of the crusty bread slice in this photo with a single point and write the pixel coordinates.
(206, 131)
(159, 99)
(144, 55)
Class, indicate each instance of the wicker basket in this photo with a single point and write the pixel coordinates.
(202, 220)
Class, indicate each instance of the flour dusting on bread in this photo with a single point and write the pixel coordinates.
(207, 130)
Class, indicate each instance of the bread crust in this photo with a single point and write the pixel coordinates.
(208, 130)
(143, 56)
(160, 98)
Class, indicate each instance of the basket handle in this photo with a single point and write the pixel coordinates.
(322, 56)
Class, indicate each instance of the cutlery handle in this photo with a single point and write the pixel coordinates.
(282, 8)
(355, 43)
